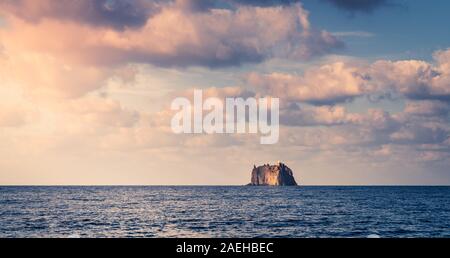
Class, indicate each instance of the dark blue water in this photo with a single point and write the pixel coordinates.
(213, 211)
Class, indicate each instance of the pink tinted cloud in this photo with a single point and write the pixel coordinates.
(174, 36)
(327, 84)
(342, 82)
(117, 14)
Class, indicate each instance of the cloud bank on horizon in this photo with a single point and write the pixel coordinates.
(86, 87)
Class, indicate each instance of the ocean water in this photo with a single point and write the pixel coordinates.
(224, 211)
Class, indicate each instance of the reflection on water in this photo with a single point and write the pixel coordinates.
(215, 211)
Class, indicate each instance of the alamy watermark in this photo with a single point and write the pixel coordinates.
(232, 115)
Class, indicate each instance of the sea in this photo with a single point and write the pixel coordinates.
(224, 211)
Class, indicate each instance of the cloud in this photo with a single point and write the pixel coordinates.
(415, 79)
(174, 36)
(99, 111)
(331, 129)
(340, 82)
(433, 156)
(311, 115)
(402, 128)
(428, 108)
(41, 75)
(118, 14)
(324, 85)
(216, 92)
(311, 101)
(315, 116)
(421, 134)
(13, 116)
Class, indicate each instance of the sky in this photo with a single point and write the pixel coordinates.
(86, 88)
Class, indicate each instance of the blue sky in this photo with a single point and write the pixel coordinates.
(401, 29)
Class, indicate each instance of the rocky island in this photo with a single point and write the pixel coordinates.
(275, 175)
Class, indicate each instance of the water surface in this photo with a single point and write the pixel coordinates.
(224, 211)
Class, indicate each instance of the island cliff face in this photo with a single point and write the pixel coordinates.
(272, 175)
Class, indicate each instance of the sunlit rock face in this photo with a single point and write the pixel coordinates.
(279, 174)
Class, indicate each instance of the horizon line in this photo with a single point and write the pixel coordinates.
(159, 185)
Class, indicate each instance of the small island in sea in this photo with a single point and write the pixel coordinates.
(273, 175)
